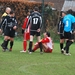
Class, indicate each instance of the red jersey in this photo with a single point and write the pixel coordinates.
(48, 42)
(26, 34)
(25, 22)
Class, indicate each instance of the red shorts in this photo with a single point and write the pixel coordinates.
(26, 36)
(48, 50)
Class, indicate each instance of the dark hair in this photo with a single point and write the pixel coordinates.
(48, 34)
(11, 12)
(70, 11)
(36, 8)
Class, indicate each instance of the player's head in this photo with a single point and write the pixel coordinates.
(63, 13)
(46, 34)
(70, 11)
(12, 13)
(36, 9)
(8, 9)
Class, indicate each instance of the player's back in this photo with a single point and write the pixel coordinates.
(35, 20)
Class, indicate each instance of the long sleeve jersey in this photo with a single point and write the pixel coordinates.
(60, 26)
(48, 42)
(9, 22)
(25, 23)
(35, 21)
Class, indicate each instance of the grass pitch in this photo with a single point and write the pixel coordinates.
(16, 63)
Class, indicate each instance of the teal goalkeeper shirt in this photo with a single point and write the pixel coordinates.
(68, 20)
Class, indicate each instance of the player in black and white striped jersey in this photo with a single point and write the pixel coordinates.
(35, 21)
(60, 30)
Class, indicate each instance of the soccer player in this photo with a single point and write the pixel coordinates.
(35, 21)
(69, 30)
(26, 33)
(60, 31)
(9, 31)
(7, 11)
(47, 43)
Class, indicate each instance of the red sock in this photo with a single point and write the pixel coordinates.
(24, 45)
(36, 47)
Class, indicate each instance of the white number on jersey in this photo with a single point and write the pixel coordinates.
(67, 23)
(35, 20)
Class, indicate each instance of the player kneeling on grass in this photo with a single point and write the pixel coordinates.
(47, 43)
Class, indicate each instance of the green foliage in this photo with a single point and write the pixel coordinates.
(48, 10)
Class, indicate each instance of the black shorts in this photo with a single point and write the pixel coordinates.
(68, 35)
(34, 33)
(61, 36)
(9, 32)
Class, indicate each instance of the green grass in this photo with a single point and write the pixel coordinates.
(16, 63)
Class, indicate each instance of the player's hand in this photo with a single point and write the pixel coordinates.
(38, 30)
(58, 32)
(15, 27)
(73, 32)
(0, 31)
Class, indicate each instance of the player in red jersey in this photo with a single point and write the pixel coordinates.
(47, 43)
(26, 33)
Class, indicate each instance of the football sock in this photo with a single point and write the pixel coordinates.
(61, 46)
(24, 45)
(68, 45)
(4, 44)
(30, 46)
(40, 45)
(11, 44)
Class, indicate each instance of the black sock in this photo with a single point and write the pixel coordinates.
(4, 44)
(40, 45)
(11, 44)
(61, 46)
(68, 45)
(30, 46)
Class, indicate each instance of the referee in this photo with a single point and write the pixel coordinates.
(35, 21)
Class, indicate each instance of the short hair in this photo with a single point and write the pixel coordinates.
(48, 34)
(70, 11)
(11, 12)
(36, 8)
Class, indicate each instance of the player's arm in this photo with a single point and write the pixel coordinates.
(28, 22)
(2, 23)
(15, 24)
(45, 40)
(38, 30)
(24, 25)
(73, 27)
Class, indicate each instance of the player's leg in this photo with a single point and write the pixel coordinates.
(61, 42)
(30, 43)
(46, 49)
(40, 43)
(12, 35)
(36, 46)
(11, 43)
(26, 37)
(5, 43)
(68, 43)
